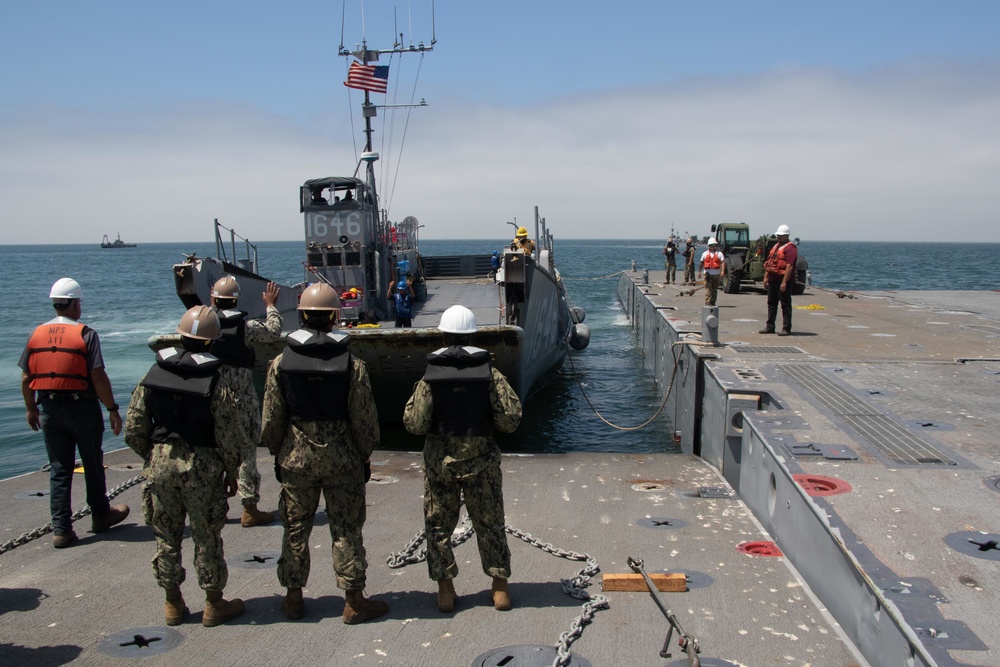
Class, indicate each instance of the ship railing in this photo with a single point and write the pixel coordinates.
(248, 261)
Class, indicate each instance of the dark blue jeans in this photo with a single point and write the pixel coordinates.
(67, 425)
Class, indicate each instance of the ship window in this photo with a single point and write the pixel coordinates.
(333, 259)
(353, 258)
(314, 258)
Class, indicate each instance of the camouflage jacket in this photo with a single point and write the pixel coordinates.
(267, 330)
(336, 448)
(451, 457)
(164, 460)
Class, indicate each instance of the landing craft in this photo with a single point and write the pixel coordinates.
(351, 244)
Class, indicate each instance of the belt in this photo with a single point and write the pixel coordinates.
(62, 395)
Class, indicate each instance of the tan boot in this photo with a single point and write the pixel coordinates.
(254, 517)
(174, 608)
(501, 598)
(292, 605)
(446, 596)
(101, 521)
(357, 609)
(219, 610)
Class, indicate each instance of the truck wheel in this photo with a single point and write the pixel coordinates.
(733, 279)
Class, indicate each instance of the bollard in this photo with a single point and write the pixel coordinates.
(710, 325)
(633, 266)
(645, 276)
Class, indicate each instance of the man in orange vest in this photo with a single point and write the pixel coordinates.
(713, 265)
(63, 383)
(779, 281)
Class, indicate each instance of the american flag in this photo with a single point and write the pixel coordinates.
(368, 77)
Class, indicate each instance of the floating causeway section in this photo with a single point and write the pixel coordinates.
(97, 604)
(885, 405)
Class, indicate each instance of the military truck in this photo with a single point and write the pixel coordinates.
(745, 259)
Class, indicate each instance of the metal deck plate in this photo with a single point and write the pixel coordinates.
(524, 655)
(141, 642)
(888, 437)
(766, 349)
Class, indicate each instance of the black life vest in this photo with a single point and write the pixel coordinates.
(179, 399)
(315, 375)
(231, 347)
(460, 379)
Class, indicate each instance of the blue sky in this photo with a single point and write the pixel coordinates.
(845, 120)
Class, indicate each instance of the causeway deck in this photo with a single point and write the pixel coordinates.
(885, 403)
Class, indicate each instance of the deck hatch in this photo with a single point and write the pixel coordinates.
(766, 349)
(888, 437)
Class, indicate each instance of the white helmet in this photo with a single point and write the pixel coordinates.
(782, 231)
(458, 320)
(712, 241)
(65, 289)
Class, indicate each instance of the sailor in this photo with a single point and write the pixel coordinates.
(494, 263)
(321, 424)
(184, 421)
(233, 348)
(779, 281)
(670, 260)
(62, 372)
(403, 302)
(714, 267)
(457, 404)
(522, 242)
(689, 262)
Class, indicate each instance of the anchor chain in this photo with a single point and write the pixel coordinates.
(575, 587)
(79, 514)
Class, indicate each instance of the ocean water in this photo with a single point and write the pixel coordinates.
(129, 296)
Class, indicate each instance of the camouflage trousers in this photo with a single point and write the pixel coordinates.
(248, 478)
(483, 494)
(345, 511)
(201, 497)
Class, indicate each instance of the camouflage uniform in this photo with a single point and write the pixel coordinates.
(322, 456)
(469, 466)
(183, 480)
(256, 331)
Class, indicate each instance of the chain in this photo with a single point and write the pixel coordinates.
(574, 587)
(79, 514)
(410, 554)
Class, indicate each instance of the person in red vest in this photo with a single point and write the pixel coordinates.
(63, 383)
(713, 265)
(779, 281)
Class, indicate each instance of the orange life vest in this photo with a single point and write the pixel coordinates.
(712, 261)
(776, 261)
(57, 357)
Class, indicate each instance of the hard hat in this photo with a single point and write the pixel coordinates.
(66, 289)
(402, 285)
(458, 320)
(782, 231)
(226, 287)
(712, 241)
(319, 296)
(521, 231)
(201, 323)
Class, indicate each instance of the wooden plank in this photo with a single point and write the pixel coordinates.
(675, 582)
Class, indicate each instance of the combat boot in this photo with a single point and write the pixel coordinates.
(219, 610)
(501, 598)
(446, 596)
(101, 521)
(64, 540)
(254, 517)
(292, 605)
(357, 609)
(174, 608)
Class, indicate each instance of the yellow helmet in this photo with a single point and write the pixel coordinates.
(319, 296)
(521, 231)
(200, 323)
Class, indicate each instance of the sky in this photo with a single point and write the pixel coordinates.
(849, 120)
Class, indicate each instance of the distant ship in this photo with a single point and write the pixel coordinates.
(117, 243)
